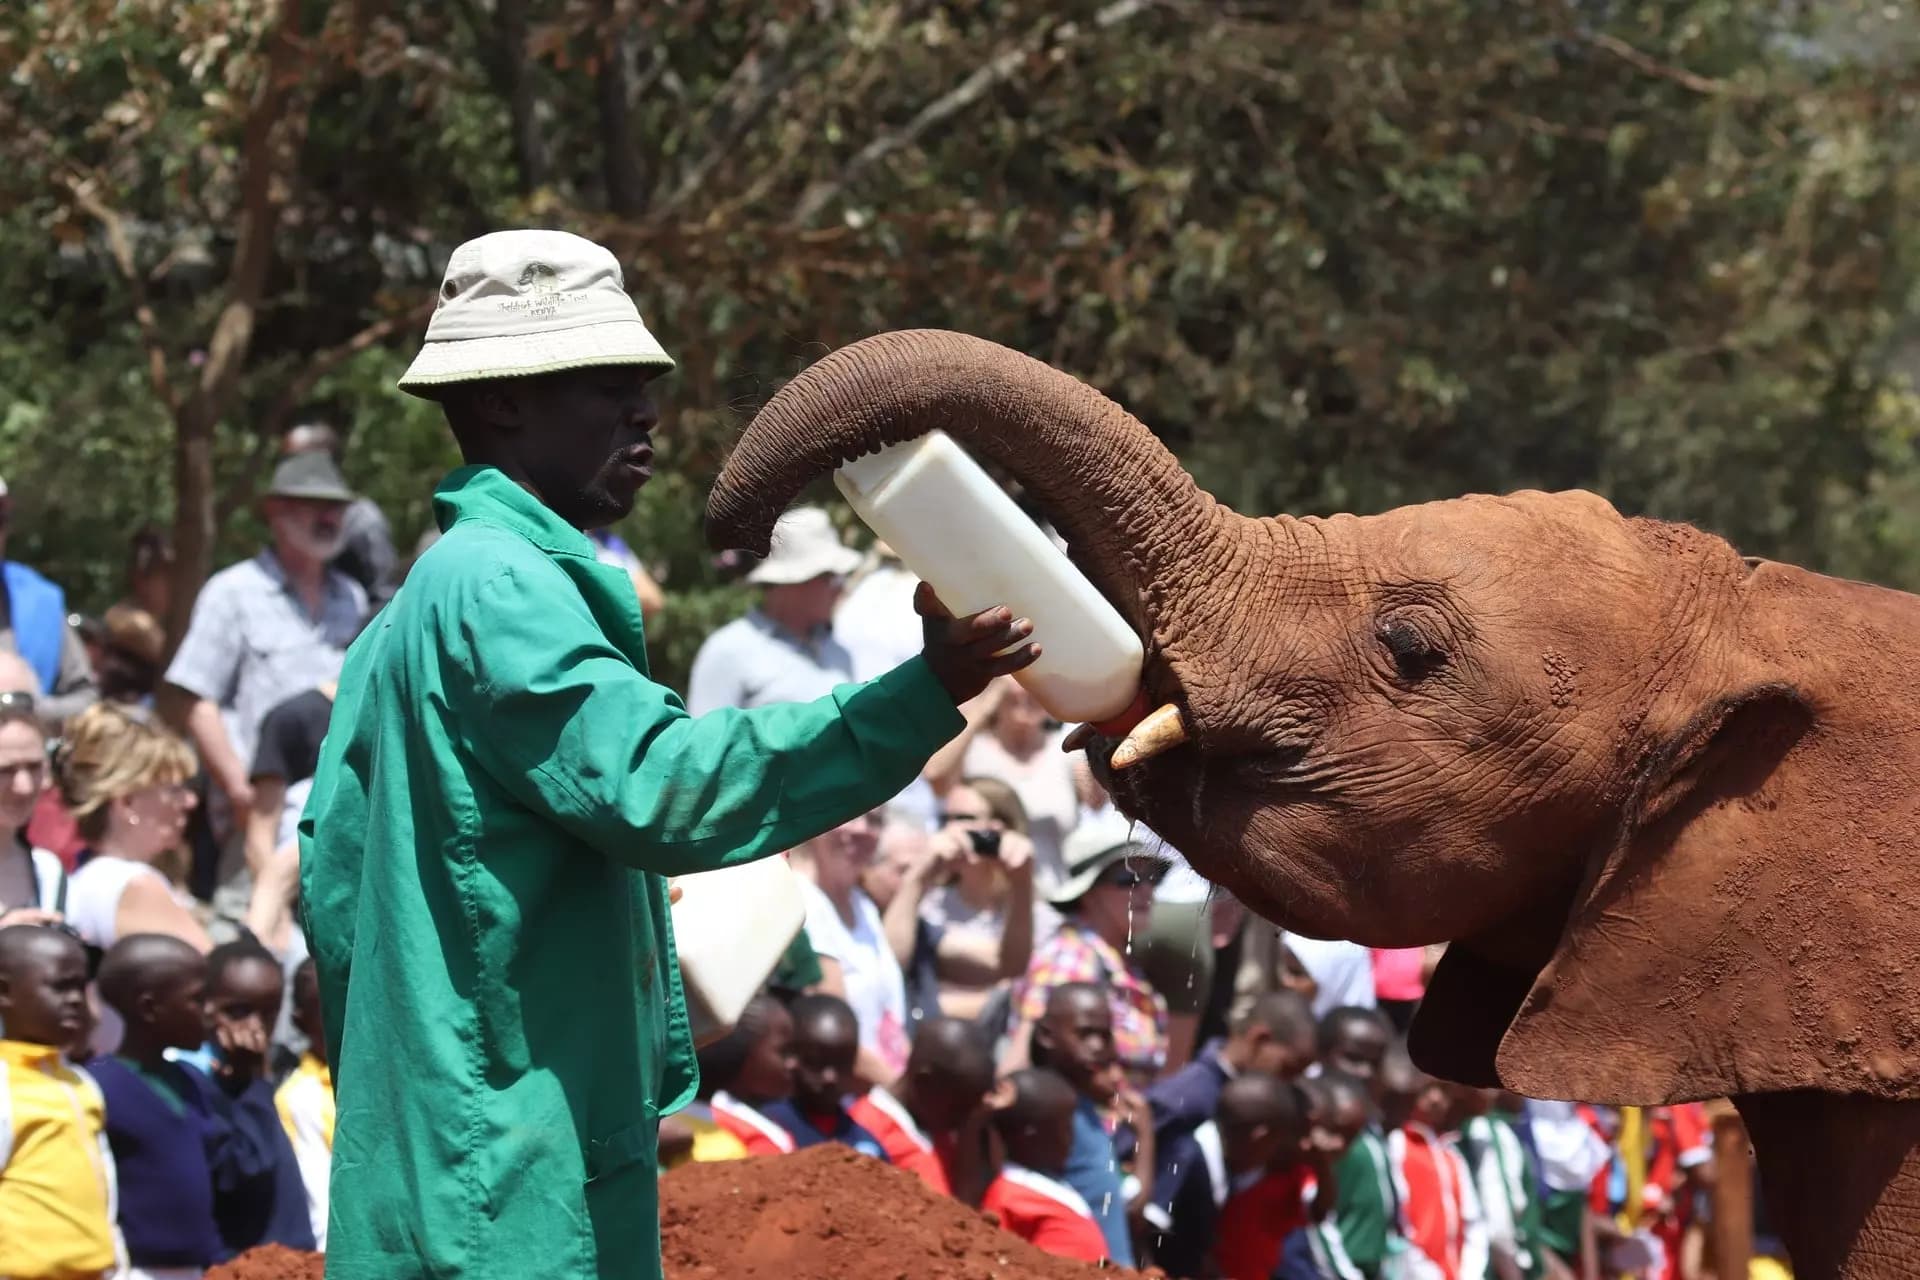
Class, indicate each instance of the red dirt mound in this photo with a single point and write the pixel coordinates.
(271, 1262)
(823, 1214)
(828, 1214)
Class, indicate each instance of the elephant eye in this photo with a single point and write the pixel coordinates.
(1414, 655)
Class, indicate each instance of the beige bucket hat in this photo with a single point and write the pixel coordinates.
(804, 547)
(515, 303)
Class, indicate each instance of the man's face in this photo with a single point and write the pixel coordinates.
(307, 525)
(823, 1055)
(43, 1000)
(584, 439)
(23, 770)
(248, 991)
(1078, 1036)
(900, 848)
(810, 603)
(1358, 1048)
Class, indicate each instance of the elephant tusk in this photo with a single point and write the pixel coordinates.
(1161, 731)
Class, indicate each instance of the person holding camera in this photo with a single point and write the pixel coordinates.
(975, 889)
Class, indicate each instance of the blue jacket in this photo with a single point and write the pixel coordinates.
(1187, 1099)
(845, 1130)
(37, 612)
(1093, 1169)
(271, 1209)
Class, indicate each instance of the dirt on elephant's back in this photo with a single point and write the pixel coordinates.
(271, 1262)
(828, 1214)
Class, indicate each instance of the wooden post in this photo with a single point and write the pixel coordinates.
(1732, 1194)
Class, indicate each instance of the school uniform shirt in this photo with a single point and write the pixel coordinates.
(1439, 1209)
(906, 1145)
(811, 1129)
(304, 1102)
(1316, 1251)
(759, 1134)
(1256, 1220)
(1367, 1213)
(177, 1148)
(58, 1200)
(1185, 1100)
(501, 792)
(1093, 1170)
(712, 1141)
(1504, 1180)
(1046, 1213)
(271, 1209)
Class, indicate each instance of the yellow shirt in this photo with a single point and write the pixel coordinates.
(56, 1174)
(305, 1104)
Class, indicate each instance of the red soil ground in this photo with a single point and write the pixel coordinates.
(823, 1214)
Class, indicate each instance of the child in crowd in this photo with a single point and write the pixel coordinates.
(1440, 1216)
(57, 1199)
(1274, 1036)
(1035, 1121)
(1338, 1112)
(175, 1138)
(922, 1121)
(826, 1042)
(1074, 1037)
(1367, 1210)
(305, 1101)
(1354, 1040)
(1505, 1177)
(244, 991)
(751, 1068)
(1228, 1193)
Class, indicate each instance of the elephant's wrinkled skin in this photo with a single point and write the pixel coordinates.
(1661, 798)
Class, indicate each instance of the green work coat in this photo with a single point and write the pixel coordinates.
(499, 795)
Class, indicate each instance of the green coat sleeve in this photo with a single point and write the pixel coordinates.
(571, 728)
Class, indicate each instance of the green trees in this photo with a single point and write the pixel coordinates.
(1341, 256)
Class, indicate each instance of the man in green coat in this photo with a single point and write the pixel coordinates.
(503, 789)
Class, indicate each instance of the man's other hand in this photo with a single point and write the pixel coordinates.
(966, 653)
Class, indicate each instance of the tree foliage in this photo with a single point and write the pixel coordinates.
(1340, 255)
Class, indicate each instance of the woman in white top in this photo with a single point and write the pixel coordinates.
(33, 884)
(844, 928)
(1007, 737)
(125, 779)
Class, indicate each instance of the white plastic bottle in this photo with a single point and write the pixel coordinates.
(955, 528)
(730, 928)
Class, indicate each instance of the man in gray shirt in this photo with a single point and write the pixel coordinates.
(268, 628)
(784, 650)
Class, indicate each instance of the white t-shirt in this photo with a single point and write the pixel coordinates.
(875, 988)
(94, 892)
(1044, 783)
(876, 622)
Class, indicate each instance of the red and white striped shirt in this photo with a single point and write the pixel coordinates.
(759, 1135)
(907, 1146)
(1046, 1213)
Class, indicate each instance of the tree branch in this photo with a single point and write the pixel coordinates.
(86, 194)
(998, 70)
(280, 415)
(1653, 66)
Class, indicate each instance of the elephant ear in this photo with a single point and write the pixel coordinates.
(1732, 938)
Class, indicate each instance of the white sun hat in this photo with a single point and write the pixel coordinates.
(516, 303)
(804, 547)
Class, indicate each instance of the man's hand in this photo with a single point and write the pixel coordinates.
(965, 653)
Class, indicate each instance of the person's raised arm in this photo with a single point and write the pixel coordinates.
(565, 723)
(1016, 932)
(949, 762)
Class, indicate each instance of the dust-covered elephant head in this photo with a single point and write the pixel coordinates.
(1660, 797)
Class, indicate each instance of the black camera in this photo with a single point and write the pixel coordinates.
(985, 843)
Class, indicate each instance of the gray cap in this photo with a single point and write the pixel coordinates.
(309, 475)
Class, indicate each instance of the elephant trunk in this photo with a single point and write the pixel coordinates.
(1132, 517)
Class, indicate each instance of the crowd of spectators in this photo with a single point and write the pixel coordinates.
(1003, 986)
